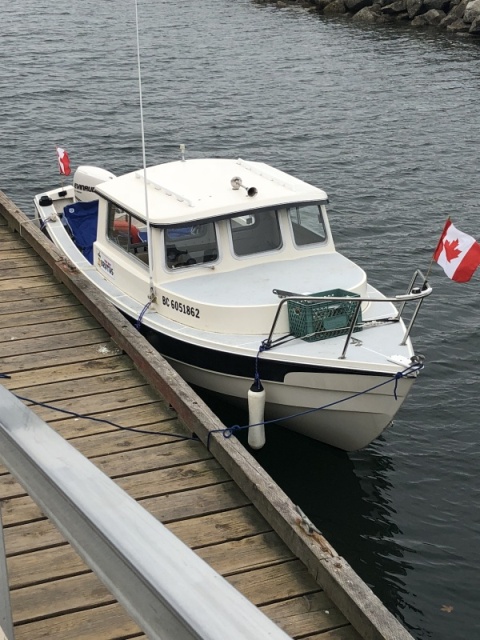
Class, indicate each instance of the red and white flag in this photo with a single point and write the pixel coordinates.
(63, 161)
(458, 253)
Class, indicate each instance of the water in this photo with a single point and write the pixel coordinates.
(387, 121)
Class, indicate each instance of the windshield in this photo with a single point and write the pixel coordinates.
(190, 244)
(307, 224)
(255, 232)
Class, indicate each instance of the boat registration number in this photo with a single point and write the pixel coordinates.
(179, 306)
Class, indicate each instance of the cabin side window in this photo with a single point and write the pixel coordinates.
(128, 232)
(187, 245)
(307, 224)
(255, 232)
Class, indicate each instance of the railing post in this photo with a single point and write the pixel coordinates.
(350, 330)
(412, 320)
(6, 624)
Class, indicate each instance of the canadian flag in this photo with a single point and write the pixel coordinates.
(63, 161)
(458, 253)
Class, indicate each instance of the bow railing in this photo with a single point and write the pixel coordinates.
(417, 291)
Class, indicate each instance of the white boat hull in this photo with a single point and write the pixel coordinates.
(348, 417)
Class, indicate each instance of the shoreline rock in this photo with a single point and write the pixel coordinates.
(461, 17)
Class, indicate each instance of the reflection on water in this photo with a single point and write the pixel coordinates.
(375, 535)
(346, 496)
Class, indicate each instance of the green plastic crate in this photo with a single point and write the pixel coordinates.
(311, 320)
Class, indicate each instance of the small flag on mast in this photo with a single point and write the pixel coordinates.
(63, 161)
(457, 253)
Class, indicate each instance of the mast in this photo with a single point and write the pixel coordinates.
(151, 296)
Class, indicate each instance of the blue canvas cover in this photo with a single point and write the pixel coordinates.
(81, 218)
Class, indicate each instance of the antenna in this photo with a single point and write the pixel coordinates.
(149, 239)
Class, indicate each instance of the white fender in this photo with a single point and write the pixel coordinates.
(256, 414)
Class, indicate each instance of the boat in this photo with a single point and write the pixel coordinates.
(229, 268)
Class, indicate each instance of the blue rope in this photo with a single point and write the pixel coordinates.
(263, 347)
(138, 323)
(109, 422)
(229, 431)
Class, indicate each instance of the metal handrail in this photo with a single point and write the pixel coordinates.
(163, 585)
(415, 292)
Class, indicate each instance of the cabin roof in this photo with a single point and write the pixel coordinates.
(199, 189)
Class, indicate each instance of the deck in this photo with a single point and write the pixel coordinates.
(75, 353)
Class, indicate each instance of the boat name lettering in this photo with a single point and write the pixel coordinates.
(83, 187)
(179, 306)
(105, 264)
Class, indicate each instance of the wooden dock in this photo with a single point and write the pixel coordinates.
(65, 347)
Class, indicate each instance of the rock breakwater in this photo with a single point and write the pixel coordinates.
(457, 16)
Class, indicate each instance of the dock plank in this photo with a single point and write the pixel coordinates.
(227, 558)
(303, 616)
(142, 415)
(8, 245)
(94, 346)
(122, 376)
(195, 532)
(29, 268)
(99, 403)
(35, 344)
(21, 253)
(60, 598)
(34, 317)
(20, 508)
(22, 284)
(47, 289)
(51, 329)
(346, 632)
(108, 622)
(69, 372)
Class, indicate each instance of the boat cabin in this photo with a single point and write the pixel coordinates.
(210, 233)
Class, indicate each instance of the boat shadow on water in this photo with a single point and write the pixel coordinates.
(345, 495)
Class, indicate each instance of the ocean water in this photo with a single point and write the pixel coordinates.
(386, 120)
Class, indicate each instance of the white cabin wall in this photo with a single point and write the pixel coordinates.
(230, 262)
(102, 220)
(123, 270)
(328, 231)
(117, 266)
